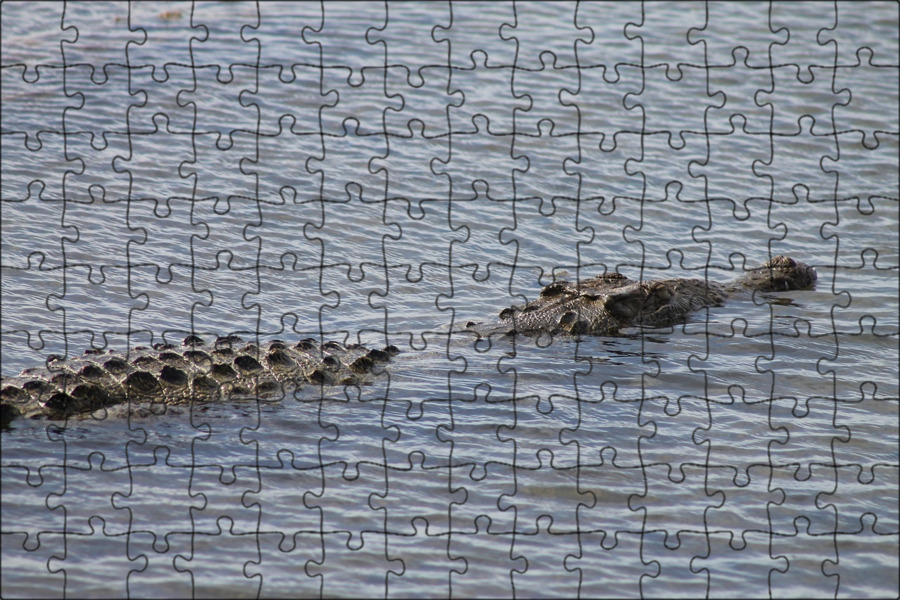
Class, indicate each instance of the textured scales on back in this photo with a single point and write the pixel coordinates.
(177, 375)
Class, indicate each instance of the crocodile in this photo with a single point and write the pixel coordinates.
(200, 371)
(607, 304)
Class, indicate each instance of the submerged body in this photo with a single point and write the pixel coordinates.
(607, 304)
(229, 367)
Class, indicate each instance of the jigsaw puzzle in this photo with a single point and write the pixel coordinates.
(385, 299)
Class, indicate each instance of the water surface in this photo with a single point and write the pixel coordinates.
(381, 173)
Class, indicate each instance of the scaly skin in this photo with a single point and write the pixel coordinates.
(607, 304)
(178, 375)
(601, 305)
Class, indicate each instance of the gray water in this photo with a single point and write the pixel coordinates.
(382, 173)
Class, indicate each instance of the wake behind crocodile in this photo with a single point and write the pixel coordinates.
(198, 370)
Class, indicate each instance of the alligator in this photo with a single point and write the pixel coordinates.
(228, 367)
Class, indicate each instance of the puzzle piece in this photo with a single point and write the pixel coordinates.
(402, 174)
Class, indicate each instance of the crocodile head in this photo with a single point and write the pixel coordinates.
(780, 274)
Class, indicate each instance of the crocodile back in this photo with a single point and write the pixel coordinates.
(194, 371)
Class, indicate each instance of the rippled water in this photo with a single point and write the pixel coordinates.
(466, 155)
